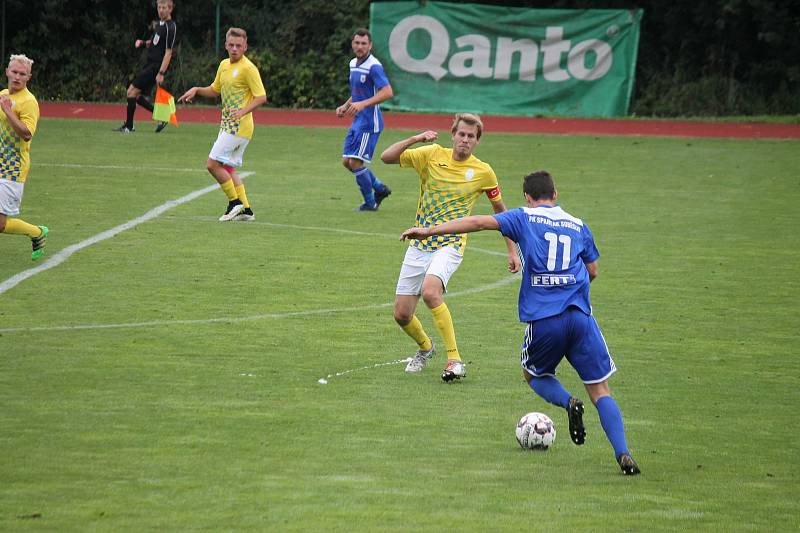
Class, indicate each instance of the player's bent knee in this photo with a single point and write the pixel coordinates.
(402, 318)
(597, 391)
(432, 297)
(352, 164)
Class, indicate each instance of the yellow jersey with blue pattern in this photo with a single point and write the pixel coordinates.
(15, 159)
(237, 83)
(448, 189)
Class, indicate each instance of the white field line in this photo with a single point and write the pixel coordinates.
(62, 255)
(117, 167)
(262, 316)
(324, 381)
(499, 283)
(343, 231)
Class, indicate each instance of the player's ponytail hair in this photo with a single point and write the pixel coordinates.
(470, 120)
(539, 185)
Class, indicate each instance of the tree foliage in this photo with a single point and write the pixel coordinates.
(716, 57)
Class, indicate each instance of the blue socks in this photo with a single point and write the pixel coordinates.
(364, 183)
(551, 390)
(377, 185)
(368, 183)
(611, 420)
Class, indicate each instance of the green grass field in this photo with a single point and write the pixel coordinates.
(166, 378)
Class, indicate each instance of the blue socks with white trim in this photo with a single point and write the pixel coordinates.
(364, 182)
(368, 183)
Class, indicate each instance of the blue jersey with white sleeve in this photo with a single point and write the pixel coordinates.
(555, 248)
(366, 79)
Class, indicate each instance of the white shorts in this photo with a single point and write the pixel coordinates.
(10, 197)
(228, 149)
(418, 263)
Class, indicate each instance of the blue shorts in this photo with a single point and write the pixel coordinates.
(572, 334)
(360, 144)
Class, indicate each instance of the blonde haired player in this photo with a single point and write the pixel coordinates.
(239, 83)
(451, 180)
(20, 114)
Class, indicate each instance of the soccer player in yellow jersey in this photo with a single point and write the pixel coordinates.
(451, 180)
(239, 83)
(20, 114)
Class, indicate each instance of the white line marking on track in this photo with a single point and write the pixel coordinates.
(64, 254)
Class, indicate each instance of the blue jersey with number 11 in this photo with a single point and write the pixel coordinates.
(555, 248)
(366, 79)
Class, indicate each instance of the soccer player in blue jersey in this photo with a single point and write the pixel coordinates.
(559, 260)
(368, 88)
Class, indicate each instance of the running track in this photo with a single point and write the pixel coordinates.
(419, 122)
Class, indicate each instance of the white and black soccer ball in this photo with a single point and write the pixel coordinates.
(535, 431)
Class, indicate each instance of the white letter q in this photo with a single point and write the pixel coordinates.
(440, 46)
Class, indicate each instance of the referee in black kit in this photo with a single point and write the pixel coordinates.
(159, 54)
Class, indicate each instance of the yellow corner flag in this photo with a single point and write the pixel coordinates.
(164, 107)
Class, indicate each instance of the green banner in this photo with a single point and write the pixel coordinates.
(449, 57)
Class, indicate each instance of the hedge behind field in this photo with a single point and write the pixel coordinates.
(721, 57)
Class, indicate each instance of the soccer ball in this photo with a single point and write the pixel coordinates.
(535, 431)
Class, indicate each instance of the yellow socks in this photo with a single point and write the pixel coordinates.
(229, 189)
(414, 330)
(242, 196)
(16, 226)
(444, 323)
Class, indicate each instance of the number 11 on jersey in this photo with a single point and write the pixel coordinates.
(553, 239)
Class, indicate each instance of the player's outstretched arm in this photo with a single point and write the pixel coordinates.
(189, 95)
(514, 262)
(469, 224)
(391, 155)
